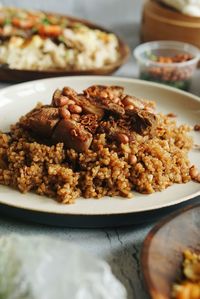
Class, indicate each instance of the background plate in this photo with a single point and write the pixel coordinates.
(19, 99)
(162, 252)
(14, 75)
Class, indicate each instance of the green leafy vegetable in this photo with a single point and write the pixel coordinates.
(46, 21)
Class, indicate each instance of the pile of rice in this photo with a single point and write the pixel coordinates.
(105, 169)
(96, 49)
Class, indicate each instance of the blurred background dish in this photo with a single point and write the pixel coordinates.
(36, 44)
(169, 62)
(172, 24)
(187, 7)
(162, 252)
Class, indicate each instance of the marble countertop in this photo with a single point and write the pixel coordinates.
(119, 247)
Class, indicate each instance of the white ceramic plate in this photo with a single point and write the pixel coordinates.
(19, 99)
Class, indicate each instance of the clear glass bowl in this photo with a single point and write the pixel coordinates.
(176, 74)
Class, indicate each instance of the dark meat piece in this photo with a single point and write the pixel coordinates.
(110, 107)
(142, 121)
(130, 100)
(41, 121)
(89, 107)
(137, 120)
(74, 118)
(73, 135)
(107, 98)
(115, 132)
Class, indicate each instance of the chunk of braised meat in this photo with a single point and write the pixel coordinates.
(90, 107)
(131, 102)
(41, 121)
(74, 118)
(107, 98)
(142, 121)
(110, 107)
(73, 135)
(115, 132)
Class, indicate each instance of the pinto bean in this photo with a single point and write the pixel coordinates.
(193, 172)
(64, 113)
(132, 159)
(123, 138)
(75, 109)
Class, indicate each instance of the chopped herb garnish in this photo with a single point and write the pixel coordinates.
(67, 55)
(77, 25)
(34, 30)
(7, 22)
(61, 39)
(45, 21)
(153, 57)
(64, 23)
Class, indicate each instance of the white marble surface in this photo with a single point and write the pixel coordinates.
(120, 247)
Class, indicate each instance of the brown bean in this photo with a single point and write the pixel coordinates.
(61, 101)
(126, 101)
(116, 100)
(130, 107)
(193, 172)
(123, 138)
(75, 109)
(64, 113)
(171, 114)
(197, 127)
(104, 94)
(132, 159)
(67, 91)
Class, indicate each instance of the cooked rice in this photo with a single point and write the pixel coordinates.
(104, 170)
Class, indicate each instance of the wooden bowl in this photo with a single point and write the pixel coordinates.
(162, 252)
(160, 22)
(14, 75)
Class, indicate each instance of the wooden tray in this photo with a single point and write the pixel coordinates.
(160, 22)
(14, 75)
(162, 251)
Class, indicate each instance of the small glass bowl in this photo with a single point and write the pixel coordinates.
(176, 74)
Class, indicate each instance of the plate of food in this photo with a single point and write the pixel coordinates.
(90, 150)
(36, 44)
(171, 256)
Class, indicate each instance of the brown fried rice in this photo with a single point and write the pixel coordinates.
(103, 170)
